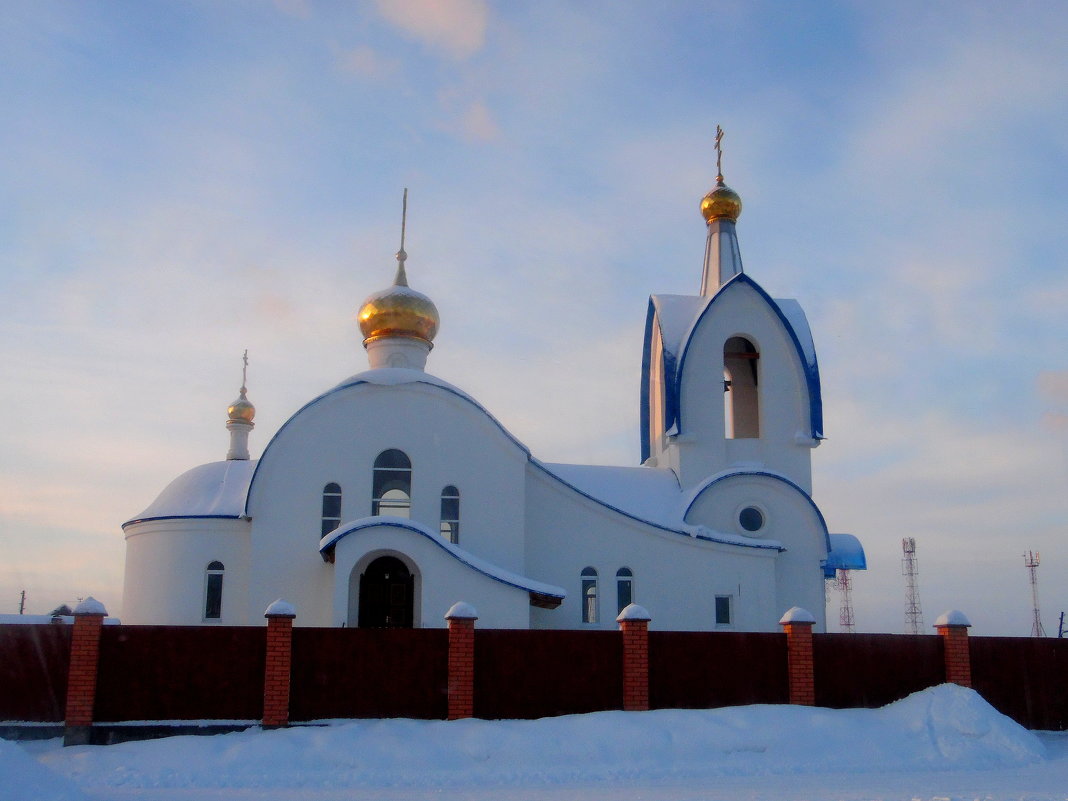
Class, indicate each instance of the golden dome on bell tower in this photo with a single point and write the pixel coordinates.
(722, 203)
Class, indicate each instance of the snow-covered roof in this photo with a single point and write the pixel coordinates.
(487, 569)
(652, 496)
(216, 489)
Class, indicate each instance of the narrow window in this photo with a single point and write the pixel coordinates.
(392, 493)
(589, 595)
(624, 588)
(723, 610)
(331, 508)
(450, 514)
(741, 403)
(213, 592)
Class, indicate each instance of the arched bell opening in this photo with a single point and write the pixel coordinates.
(741, 399)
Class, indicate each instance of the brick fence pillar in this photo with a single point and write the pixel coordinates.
(634, 625)
(953, 627)
(797, 623)
(279, 664)
(461, 617)
(81, 673)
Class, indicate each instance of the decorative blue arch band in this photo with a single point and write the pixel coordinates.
(478, 565)
(699, 490)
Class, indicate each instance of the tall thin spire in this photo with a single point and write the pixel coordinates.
(402, 278)
(720, 208)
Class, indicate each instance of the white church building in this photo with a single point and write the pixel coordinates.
(393, 495)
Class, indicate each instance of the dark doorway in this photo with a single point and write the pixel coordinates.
(387, 595)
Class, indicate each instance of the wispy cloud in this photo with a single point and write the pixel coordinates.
(455, 27)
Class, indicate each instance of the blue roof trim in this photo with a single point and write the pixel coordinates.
(357, 382)
(331, 540)
(697, 492)
(667, 370)
(660, 526)
(180, 517)
(846, 553)
(811, 371)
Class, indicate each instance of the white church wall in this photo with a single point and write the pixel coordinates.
(440, 580)
(676, 577)
(788, 518)
(703, 448)
(166, 571)
(449, 442)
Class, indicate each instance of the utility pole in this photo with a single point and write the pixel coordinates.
(22, 601)
(910, 569)
(1032, 560)
(1060, 628)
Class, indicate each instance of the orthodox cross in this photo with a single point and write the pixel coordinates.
(244, 373)
(719, 155)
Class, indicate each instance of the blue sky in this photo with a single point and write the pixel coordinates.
(185, 180)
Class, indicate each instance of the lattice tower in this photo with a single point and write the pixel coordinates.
(910, 569)
(845, 612)
(1032, 560)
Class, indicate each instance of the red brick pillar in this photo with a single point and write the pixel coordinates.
(953, 627)
(634, 625)
(81, 673)
(277, 670)
(797, 623)
(461, 617)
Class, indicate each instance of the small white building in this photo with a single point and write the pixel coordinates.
(394, 494)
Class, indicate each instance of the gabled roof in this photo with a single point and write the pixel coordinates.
(678, 317)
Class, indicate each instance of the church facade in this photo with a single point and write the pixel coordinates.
(393, 495)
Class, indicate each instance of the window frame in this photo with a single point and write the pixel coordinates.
(624, 576)
(450, 524)
(330, 490)
(588, 596)
(388, 479)
(213, 590)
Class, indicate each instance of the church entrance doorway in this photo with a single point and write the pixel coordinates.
(387, 595)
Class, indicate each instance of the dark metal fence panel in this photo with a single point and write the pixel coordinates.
(33, 671)
(369, 673)
(1025, 678)
(180, 673)
(533, 674)
(871, 670)
(702, 670)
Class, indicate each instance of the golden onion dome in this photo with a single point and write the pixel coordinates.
(241, 410)
(398, 312)
(721, 203)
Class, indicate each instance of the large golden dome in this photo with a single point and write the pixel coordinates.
(398, 312)
(721, 203)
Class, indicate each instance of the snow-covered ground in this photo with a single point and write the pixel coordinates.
(942, 743)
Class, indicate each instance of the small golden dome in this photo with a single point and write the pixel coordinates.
(398, 312)
(241, 410)
(721, 203)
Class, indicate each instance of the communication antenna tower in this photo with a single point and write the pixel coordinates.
(845, 612)
(1032, 560)
(910, 569)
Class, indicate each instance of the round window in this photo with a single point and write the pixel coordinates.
(751, 518)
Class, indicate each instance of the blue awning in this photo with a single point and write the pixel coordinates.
(846, 554)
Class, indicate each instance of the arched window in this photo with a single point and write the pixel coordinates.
(624, 588)
(331, 508)
(392, 492)
(741, 403)
(450, 514)
(589, 595)
(213, 591)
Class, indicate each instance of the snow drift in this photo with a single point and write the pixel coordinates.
(945, 727)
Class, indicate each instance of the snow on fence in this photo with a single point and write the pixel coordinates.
(215, 673)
